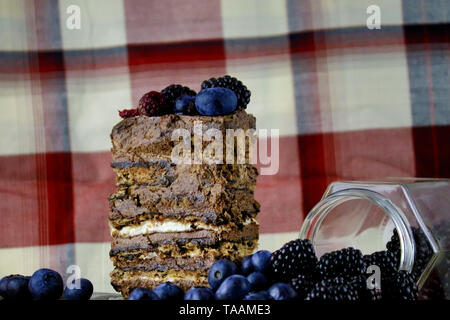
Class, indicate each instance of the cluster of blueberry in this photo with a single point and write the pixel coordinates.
(44, 284)
(217, 97)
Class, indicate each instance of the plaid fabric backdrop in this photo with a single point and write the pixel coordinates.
(350, 103)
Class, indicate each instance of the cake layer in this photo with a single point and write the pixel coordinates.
(214, 205)
(198, 237)
(146, 139)
(186, 256)
(126, 281)
(185, 177)
(160, 224)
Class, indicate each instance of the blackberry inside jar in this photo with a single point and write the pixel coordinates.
(400, 225)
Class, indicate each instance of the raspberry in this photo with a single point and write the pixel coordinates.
(241, 91)
(153, 104)
(294, 258)
(346, 263)
(128, 113)
(174, 91)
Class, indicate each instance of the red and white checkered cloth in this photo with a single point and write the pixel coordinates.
(350, 103)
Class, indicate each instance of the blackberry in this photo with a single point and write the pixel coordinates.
(153, 104)
(400, 286)
(174, 91)
(365, 294)
(386, 260)
(335, 289)
(241, 91)
(423, 251)
(347, 262)
(302, 284)
(294, 258)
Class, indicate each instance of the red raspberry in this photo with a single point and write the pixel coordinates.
(153, 104)
(128, 113)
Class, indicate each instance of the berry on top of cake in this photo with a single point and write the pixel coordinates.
(218, 96)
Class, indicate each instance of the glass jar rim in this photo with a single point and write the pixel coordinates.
(321, 210)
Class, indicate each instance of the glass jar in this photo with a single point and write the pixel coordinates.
(410, 216)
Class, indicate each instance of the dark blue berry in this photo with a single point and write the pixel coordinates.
(46, 284)
(185, 105)
(216, 101)
(169, 291)
(4, 284)
(257, 281)
(17, 288)
(199, 293)
(247, 265)
(261, 261)
(142, 294)
(80, 289)
(219, 271)
(261, 295)
(282, 291)
(235, 287)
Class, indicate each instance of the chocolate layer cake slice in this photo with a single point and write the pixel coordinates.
(169, 221)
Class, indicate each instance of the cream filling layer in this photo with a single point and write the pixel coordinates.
(153, 226)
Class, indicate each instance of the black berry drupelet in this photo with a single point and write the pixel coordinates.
(174, 91)
(400, 286)
(365, 294)
(241, 91)
(334, 289)
(423, 251)
(347, 262)
(385, 260)
(294, 258)
(302, 284)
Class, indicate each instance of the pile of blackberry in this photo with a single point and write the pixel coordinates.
(340, 275)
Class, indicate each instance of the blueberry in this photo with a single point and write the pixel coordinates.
(261, 261)
(142, 294)
(46, 284)
(168, 291)
(83, 292)
(4, 283)
(216, 101)
(247, 265)
(199, 293)
(220, 270)
(185, 105)
(261, 295)
(234, 287)
(257, 281)
(282, 291)
(17, 288)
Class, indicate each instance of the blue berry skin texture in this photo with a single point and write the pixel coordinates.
(199, 293)
(257, 280)
(183, 103)
(282, 291)
(247, 265)
(169, 291)
(83, 292)
(220, 270)
(16, 288)
(46, 284)
(235, 287)
(216, 101)
(142, 294)
(260, 295)
(261, 261)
